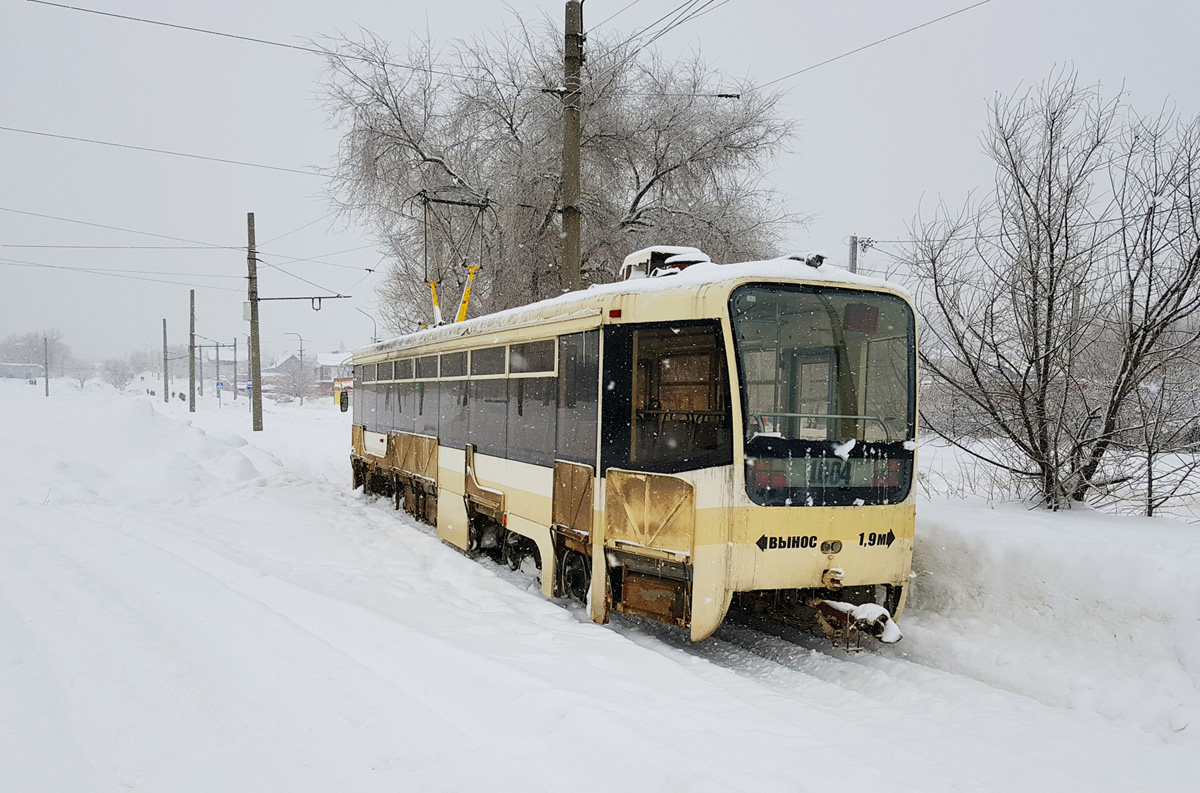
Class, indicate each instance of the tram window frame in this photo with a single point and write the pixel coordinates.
(578, 397)
(489, 362)
(386, 371)
(623, 430)
(452, 365)
(356, 397)
(426, 408)
(404, 415)
(385, 419)
(533, 358)
(531, 426)
(452, 414)
(369, 407)
(368, 373)
(404, 369)
(427, 367)
(487, 416)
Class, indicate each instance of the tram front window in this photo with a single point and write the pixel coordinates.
(828, 394)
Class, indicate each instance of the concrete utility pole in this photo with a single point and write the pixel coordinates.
(853, 254)
(200, 380)
(302, 378)
(252, 295)
(572, 64)
(192, 358)
(218, 386)
(46, 363)
(235, 377)
(166, 390)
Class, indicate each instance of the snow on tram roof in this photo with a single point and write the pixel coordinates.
(586, 301)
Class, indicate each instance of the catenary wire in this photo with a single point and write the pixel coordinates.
(118, 228)
(614, 15)
(18, 263)
(157, 151)
(268, 42)
(872, 44)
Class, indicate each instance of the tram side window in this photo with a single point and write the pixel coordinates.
(369, 406)
(532, 356)
(384, 393)
(425, 408)
(488, 416)
(667, 405)
(404, 414)
(452, 426)
(531, 408)
(578, 384)
(356, 396)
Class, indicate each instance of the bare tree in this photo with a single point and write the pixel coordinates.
(117, 373)
(31, 348)
(1048, 305)
(80, 371)
(663, 160)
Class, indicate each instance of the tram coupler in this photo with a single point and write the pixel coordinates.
(845, 623)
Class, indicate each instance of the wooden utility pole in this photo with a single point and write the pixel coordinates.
(854, 254)
(572, 64)
(46, 363)
(192, 358)
(252, 295)
(166, 390)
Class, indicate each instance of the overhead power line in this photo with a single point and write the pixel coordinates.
(120, 247)
(873, 44)
(614, 15)
(115, 274)
(193, 244)
(157, 151)
(125, 230)
(268, 42)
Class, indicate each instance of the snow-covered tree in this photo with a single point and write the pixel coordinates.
(1049, 305)
(663, 160)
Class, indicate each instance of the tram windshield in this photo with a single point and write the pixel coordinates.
(828, 395)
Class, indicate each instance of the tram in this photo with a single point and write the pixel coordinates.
(694, 438)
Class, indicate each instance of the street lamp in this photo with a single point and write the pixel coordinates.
(374, 327)
(302, 378)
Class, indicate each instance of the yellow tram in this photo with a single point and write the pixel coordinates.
(694, 437)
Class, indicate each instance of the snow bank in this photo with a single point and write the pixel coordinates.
(1077, 609)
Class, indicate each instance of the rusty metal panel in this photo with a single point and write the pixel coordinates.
(653, 510)
(425, 457)
(404, 452)
(413, 454)
(650, 596)
(572, 506)
(392, 459)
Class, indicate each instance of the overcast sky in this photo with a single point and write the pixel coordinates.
(883, 132)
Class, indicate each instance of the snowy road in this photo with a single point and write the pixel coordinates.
(189, 606)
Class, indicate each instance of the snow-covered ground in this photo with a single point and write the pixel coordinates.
(189, 606)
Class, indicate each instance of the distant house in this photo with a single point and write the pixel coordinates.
(329, 368)
(320, 373)
(21, 371)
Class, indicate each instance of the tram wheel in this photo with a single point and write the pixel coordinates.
(511, 550)
(575, 575)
